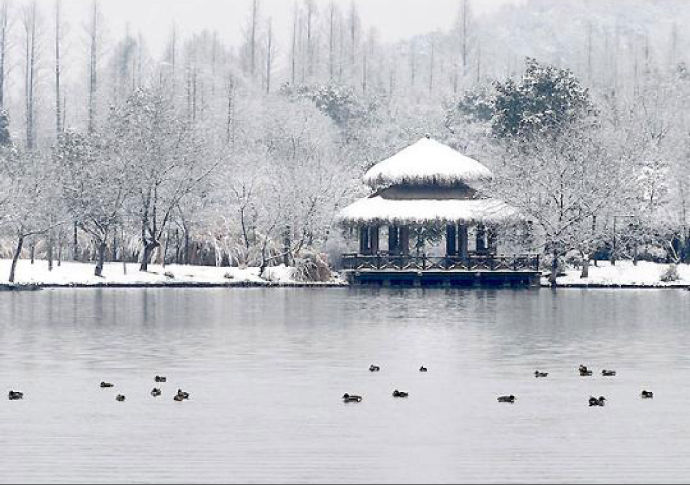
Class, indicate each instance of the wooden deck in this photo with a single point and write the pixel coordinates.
(473, 270)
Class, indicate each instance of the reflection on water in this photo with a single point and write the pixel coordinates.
(266, 369)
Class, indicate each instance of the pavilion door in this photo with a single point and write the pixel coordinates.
(393, 239)
(462, 241)
(364, 240)
(451, 240)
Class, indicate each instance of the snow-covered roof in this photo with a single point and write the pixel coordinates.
(379, 210)
(427, 162)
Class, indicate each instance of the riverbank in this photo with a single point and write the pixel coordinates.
(624, 274)
(73, 274)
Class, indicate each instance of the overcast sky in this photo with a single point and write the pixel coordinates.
(394, 19)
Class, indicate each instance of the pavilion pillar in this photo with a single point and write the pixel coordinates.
(374, 239)
(393, 239)
(481, 238)
(404, 241)
(462, 241)
(451, 240)
(364, 240)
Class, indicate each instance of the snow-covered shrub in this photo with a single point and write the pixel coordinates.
(229, 276)
(169, 275)
(573, 258)
(670, 274)
(312, 266)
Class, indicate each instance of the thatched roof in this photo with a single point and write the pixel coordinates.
(427, 204)
(427, 162)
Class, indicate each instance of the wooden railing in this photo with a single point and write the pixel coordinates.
(473, 262)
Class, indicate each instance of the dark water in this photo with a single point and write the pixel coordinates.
(266, 369)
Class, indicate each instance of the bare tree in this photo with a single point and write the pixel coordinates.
(29, 20)
(93, 66)
(58, 40)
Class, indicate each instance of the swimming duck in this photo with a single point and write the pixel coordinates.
(510, 399)
(351, 398)
(540, 374)
(155, 392)
(584, 371)
(422, 369)
(120, 397)
(646, 394)
(608, 373)
(161, 379)
(593, 401)
(374, 368)
(182, 394)
(14, 395)
(397, 393)
(178, 398)
(106, 384)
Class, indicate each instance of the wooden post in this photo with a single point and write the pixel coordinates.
(451, 240)
(462, 240)
(363, 240)
(404, 241)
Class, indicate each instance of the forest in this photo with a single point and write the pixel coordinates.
(242, 155)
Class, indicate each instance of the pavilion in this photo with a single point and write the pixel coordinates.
(424, 190)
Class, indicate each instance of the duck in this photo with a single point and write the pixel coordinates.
(510, 399)
(155, 392)
(161, 379)
(14, 395)
(584, 371)
(646, 394)
(423, 369)
(182, 394)
(594, 401)
(178, 398)
(540, 374)
(397, 393)
(351, 398)
(374, 368)
(608, 373)
(120, 397)
(106, 384)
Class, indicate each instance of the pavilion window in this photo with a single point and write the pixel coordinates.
(481, 239)
(404, 240)
(492, 240)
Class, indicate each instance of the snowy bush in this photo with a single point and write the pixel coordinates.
(228, 276)
(169, 275)
(313, 267)
(670, 274)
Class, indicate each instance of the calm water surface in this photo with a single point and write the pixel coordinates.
(266, 369)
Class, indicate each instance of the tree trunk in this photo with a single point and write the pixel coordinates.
(146, 257)
(585, 266)
(33, 252)
(554, 269)
(75, 244)
(50, 250)
(101, 258)
(15, 257)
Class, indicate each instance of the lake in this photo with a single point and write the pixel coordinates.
(266, 369)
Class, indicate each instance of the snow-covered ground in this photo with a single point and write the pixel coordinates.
(624, 273)
(81, 274)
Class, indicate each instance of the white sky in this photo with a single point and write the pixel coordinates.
(394, 19)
